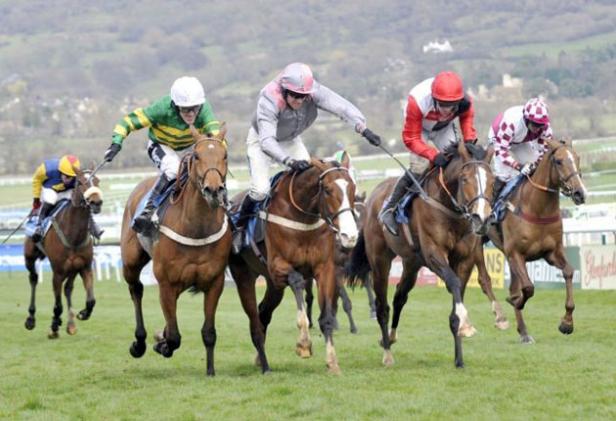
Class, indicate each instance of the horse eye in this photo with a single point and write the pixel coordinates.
(558, 161)
(195, 156)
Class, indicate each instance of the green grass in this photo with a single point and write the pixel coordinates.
(92, 376)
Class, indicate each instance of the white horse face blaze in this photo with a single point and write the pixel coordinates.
(482, 204)
(346, 223)
(570, 156)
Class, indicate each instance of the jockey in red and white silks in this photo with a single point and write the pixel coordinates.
(519, 135)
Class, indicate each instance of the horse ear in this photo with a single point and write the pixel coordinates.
(489, 154)
(223, 131)
(360, 197)
(195, 133)
(346, 160)
(462, 151)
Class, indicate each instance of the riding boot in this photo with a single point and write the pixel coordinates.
(143, 223)
(95, 229)
(386, 216)
(246, 209)
(496, 202)
(37, 235)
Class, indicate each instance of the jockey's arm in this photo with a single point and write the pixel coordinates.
(330, 101)
(40, 175)
(502, 143)
(411, 133)
(467, 123)
(135, 120)
(267, 124)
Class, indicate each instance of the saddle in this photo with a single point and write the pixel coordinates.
(32, 221)
(500, 205)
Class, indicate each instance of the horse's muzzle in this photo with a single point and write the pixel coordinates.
(478, 225)
(347, 241)
(95, 207)
(578, 196)
(214, 197)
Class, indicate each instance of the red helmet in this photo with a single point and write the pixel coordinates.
(297, 77)
(447, 86)
(536, 111)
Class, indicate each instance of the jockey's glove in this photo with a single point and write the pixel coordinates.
(527, 168)
(112, 151)
(298, 165)
(372, 137)
(441, 160)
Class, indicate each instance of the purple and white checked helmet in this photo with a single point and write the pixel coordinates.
(536, 111)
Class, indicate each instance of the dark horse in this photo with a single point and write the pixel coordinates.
(191, 248)
(69, 248)
(438, 235)
(306, 213)
(532, 228)
(342, 257)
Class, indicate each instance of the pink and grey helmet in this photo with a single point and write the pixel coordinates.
(297, 77)
(536, 111)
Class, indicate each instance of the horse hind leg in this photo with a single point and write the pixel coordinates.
(208, 331)
(33, 278)
(303, 347)
(135, 288)
(88, 283)
(71, 327)
(347, 306)
(404, 287)
(500, 320)
(172, 338)
(309, 301)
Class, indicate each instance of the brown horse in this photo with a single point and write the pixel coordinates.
(191, 248)
(69, 248)
(307, 212)
(532, 228)
(341, 258)
(457, 202)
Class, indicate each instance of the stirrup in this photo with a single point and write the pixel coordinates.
(388, 219)
(143, 224)
(37, 235)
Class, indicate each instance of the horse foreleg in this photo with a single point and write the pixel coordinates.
(33, 278)
(326, 278)
(297, 283)
(172, 339)
(71, 328)
(524, 288)
(500, 320)
(514, 291)
(56, 320)
(557, 258)
(245, 282)
(347, 306)
(463, 268)
(380, 277)
(309, 301)
(88, 283)
(208, 331)
(410, 268)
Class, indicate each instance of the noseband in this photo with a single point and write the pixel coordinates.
(464, 209)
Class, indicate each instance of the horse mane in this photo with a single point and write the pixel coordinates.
(477, 152)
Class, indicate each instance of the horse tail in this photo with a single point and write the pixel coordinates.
(357, 269)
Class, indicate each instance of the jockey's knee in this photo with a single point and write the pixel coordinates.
(257, 195)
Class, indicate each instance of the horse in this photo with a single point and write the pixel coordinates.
(190, 249)
(532, 228)
(69, 248)
(456, 203)
(306, 213)
(341, 257)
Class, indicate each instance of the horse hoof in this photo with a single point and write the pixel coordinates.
(467, 331)
(30, 323)
(303, 352)
(501, 324)
(459, 364)
(137, 349)
(388, 358)
(159, 336)
(373, 315)
(353, 329)
(163, 349)
(71, 329)
(83, 315)
(565, 329)
(210, 373)
(53, 335)
(334, 369)
(527, 340)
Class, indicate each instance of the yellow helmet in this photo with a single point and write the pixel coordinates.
(66, 164)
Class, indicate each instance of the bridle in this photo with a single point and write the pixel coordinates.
(198, 182)
(83, 197)
(324, 214)
(564, 186)
(464, 209)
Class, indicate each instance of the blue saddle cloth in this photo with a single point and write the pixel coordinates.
(253, 224)
(31, 223)
(401, 212)
(499, 208)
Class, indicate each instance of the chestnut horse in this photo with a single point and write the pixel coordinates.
(307, 211)
(191, 248)
(342, 256)
(69, 248)
(532, 228)
(457, 201)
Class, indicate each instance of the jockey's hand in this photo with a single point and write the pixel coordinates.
(36, 204)
(527, 168)
(372, 137)
(298, 165)
(441, 160)
(112, 151)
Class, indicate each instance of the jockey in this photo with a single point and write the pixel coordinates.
(431, 109)
(54, 180)
(519, 136)
(286, 107)
(169, 120)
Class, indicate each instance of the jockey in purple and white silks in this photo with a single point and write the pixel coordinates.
(286, 107)
(518, 136)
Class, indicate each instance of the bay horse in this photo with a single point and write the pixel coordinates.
(457, 203)
(306, 213)
(532, 228)
(69, 248)
(190, 249)
(342, 256)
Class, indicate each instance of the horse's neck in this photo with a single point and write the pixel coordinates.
(73, 221)
(536, 200)
(306, 198)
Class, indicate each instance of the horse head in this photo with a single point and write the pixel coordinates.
(475, 181)
(564, 172)
(336, 191)
(87, 193)
(208, 169)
